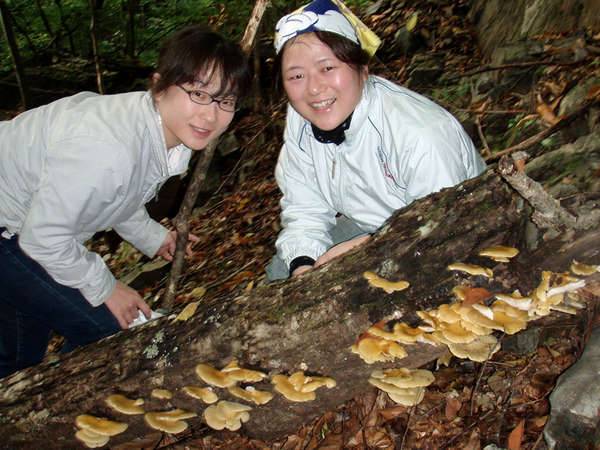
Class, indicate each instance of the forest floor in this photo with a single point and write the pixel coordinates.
(501, 402)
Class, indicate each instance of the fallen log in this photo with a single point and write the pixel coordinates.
(305, 323)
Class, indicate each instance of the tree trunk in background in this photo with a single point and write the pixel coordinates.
(65, 26)
(94, 41)
(46, 23)
(309, 321)
(6, 23)
(130, 6)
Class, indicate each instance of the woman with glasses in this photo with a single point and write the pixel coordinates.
(90, 162)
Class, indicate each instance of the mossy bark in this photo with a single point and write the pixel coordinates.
(309, 321)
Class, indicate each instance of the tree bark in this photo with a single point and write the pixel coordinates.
(130, 6)
(95, 51)
(309, 321)
(5, 22)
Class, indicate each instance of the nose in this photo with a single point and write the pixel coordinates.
(316, 84)
(209, 112)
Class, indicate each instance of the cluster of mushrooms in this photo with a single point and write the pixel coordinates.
(298, 387)
(466, 327)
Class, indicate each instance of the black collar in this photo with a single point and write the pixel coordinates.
(335, 136)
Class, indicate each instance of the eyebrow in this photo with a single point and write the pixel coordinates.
(320, 61)
(293, 68)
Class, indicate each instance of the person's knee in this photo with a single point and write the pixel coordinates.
(277, 269)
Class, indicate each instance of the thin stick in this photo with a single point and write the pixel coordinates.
(182, 224)
(543, 134)
(199, 175)
(547, 62)
(410, 411)
(486, 147)
(447, 444)
(492, 111)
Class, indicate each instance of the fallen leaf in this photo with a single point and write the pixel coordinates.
(539, 422)
(392, 413)
(187, 312)
(198, 293)
(453, 405)
(476, 295)
(546, 113)
(412, 22)
(480, 106)
(516, 436)
(474, 441)
(554, 88)
(525, 119)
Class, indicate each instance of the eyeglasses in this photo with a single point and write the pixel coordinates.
(204, 98)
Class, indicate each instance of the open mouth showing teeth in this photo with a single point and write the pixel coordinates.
(323, 104)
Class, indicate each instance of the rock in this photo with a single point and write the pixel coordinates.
(424, 70)
(499, 21)
(522, 343)
(575, 403)
(576, 96)
(516, 51)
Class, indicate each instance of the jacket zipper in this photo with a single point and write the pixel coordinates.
(333, 166)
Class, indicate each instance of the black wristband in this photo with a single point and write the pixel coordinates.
(301, 261)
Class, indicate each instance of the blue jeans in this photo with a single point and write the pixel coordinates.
(32, 304)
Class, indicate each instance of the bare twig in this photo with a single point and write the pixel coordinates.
(548, 211)
(410, 412)
(182, 221)
(476, 387)
(492, 111)
(199, 175)
(566, 120)
(486, 147)
(537, 441)
(546, 62)
(468, 428)
(505, 406)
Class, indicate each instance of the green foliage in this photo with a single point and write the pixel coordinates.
(452, 94)
(52, 32)
(65, 32)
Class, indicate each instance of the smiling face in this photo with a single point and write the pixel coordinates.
(323, 89)
(186, 122)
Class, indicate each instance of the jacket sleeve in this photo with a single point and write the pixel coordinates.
(142, 232)
(437, 158)
(77, 187)
(306, 217)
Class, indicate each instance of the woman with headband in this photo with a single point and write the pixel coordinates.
(356, 146)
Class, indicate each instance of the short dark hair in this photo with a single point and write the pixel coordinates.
(195, 50)
(343, 48)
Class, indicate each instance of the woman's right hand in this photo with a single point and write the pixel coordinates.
(125, 303)
(300, 270)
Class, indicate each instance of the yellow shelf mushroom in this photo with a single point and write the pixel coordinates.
(226, 414)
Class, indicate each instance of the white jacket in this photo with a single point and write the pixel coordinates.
(80, 165)
(400, 146)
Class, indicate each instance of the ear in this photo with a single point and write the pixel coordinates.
(364, 73)
(156, 95)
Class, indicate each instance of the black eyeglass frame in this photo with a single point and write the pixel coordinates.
(212, 99)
